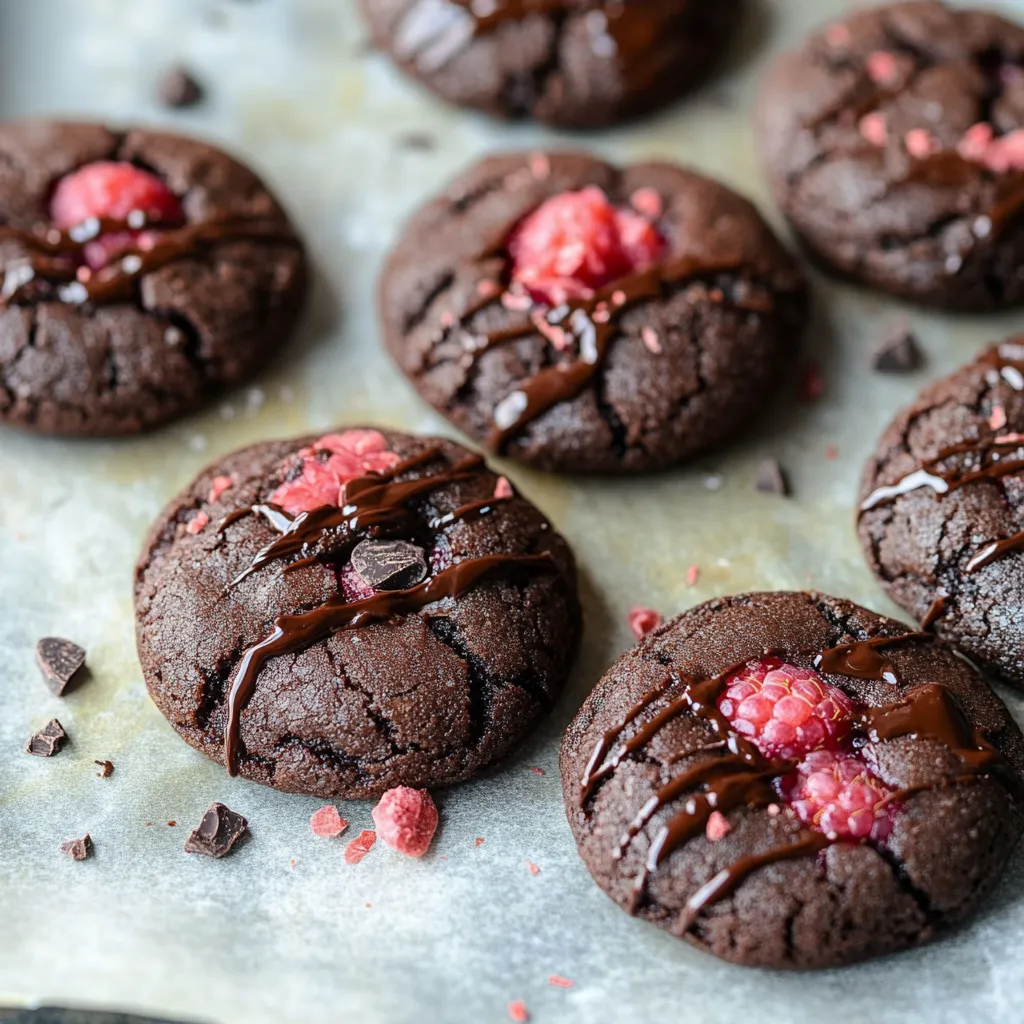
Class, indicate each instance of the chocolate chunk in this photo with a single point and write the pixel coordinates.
(60, 661)
(78, 849)
(48, 740)
(898, 351)
(106, 769)
(178, 89)
(771, 478)
(218, 832)
(389, 564)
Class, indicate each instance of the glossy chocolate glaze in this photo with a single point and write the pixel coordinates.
(863, 660)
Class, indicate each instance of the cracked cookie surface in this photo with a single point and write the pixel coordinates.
(894, 143)
(571, 63)
(686, 818)
(179, 312)
(942, 510)
(417, 687)
(638, 374)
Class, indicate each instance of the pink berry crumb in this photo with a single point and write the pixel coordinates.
(881, 67)
(577, 242)
(517, 1011)
(406, 820)
(920, 143)
(359, 847)
(643, 621)
(693, 576)
(718, 827)
(503, 489)
(558, 981)
(532, 868)
(327, 823)
(998, 418)
(874, 128)
(786, 711)
(220, 485)
(198, 523)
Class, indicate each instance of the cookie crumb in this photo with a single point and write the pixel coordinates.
(78, 849)
(47, 741)
(420, 141)
(359, 847)
(106, 769)
(218, 833)
(178, 89)
(327, 823)
(897, 350)
(643, 621)
(60, 661)
(406, 820)
(771, 478)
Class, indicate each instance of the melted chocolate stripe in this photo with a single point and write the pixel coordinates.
(294, 633)
(861, 660)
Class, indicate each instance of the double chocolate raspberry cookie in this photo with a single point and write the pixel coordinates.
(343, 615)
(580, 317)
(894, 141)
(789, 780)
(571, 63)
(141, 272)
(942, 510)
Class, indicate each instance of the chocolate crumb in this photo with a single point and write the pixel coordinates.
(178, 89)
(48, 741)
(898, 351)
(422, 141)
(60, 661)
(78, 849)
(106, 769)
(771, 478)
(218, 832)
(389, 564)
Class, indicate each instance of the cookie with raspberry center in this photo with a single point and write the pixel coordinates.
(586, 318)
(894, 143)
(142, 273)
(790, 780)
(347, 614)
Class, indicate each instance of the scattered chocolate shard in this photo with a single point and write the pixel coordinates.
(218, 832)
(60, 661)
(78, 849)
(389, 564)
(48, 740)
(179, 89)
(771, 478)
(106, 769)
(898, 351)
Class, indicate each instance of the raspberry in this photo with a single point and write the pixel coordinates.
(352, 454)
(359, 847)
(576, 243)
(643, 621)
(838, 794)
(327, 823)
(115, 191)
(406, 820)
(786, 711)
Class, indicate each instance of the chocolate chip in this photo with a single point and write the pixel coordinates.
(422, 141)
(218, 832)
(389, 564)
(106, 769)
(178, 89)
(60, 661)
(898, 351)
(78, 849)
(48, 740)
(771, 478)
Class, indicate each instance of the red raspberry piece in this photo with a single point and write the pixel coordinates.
(838, 794)
(786, 711)
(115, 191)
(352, 454)
(577, 242)
(359, 847)
(406, 820)
(327, 823)
(643, 621)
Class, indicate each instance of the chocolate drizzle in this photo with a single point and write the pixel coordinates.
(995, 550)
(55, 259)
(862, 660)
(730, 772)
(375, 506)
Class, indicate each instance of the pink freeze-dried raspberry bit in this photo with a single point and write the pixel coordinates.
(693, 576)
(198, 523)
(327, 823)
(998, 418)
(873, 128)
(578, 242)
(1006, 153)
(406, 820)
(352, 454)
(649, 336)
(837, 35)
(839, 795)
(359, 847)
(882, 67)
(784, 710)
(718, 827)
(975, 141)
(557, 981)
(113, 191)
(220, 485)
(643, 621)
(532, 868)
(920, 143)
(517, 1012)
(648, 202)
(503, 489)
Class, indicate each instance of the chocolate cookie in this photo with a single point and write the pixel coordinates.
(571, 63)
(942, 510)
(788, 780)
(272, 647)
(141, 272)
(894, 141)
(589, 319)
